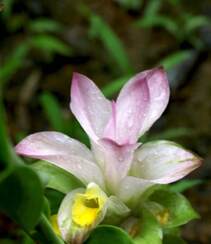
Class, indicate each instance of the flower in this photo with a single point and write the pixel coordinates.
(81, 210)
(117, 162)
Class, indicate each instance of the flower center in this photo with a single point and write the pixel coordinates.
(86, 207)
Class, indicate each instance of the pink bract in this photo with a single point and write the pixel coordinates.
(116, 161)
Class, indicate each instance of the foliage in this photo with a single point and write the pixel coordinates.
(114, 46)
(150, 230)
(56, 178)
(178, 208)
(18, 200)
(109, 234)
(183, 26)
(184, 185)
(47, 44)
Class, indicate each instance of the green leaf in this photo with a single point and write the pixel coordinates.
(159, 21)
(45, 232)
(7, 154)
(105, 234)
(54, 198)
(176, 205)
(22, 197)
(195, 22)
(13, 62)
(171, 239)
(184, 185)
(53, 111)
(55, 177)
(170, 134)
(152, 8)
(45, 25)
(46, 208)
(101, 30)
(174, 59)
(150, 230)
(176, 231)
(50, 44)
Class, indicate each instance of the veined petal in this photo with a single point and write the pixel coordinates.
(115, 160)
(163, 162)
(89, 106)
(131, 188)
(81, 211)
(130, 110)
(52, 143)
(63, 152)
(158, 85)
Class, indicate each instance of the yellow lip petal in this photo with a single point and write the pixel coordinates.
(87, 207)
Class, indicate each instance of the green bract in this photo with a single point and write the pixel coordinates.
(176, 205)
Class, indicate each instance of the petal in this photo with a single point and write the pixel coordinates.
(71, 231)
(89, 106)
(131, 188)
(115, 160)
(130, 110)
(157, 82)
(163, 162)
(110, 129)
(51, 143)
(64, 215)
(63, 152)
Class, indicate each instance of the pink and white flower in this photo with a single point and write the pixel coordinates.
(117, 162)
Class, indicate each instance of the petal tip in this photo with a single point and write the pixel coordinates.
(20, 148)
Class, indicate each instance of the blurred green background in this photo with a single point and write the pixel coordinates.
(42, 42)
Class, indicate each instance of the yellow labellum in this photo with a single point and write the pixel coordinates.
(87, 207)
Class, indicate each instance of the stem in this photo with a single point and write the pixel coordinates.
(47, 232)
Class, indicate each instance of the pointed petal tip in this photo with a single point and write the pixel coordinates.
(197, 162)
(18, 148)
(76, 76)
(164, 162)
(160, 68)
(22, 149)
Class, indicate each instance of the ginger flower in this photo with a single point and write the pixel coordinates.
(117, 163)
